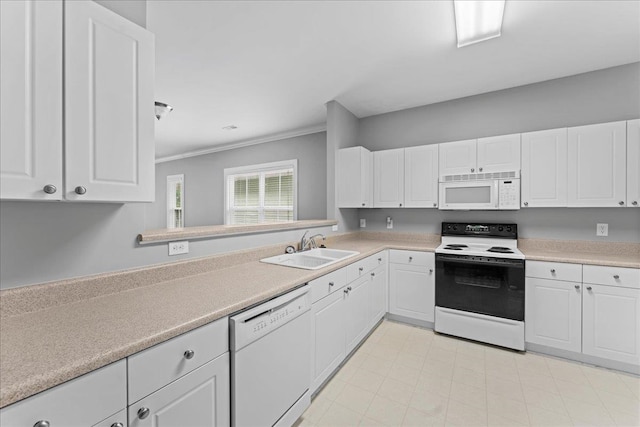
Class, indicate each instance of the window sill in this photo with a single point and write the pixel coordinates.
(213, 231)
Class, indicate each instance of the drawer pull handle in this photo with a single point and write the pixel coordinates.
(330, 283)
(553, 271)
(143, 413)
(615, 276)
(576, 286)
(589, 288)
(41, 423)
(117, 425)
(189, 354)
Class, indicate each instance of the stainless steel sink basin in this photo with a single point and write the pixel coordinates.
(312, 259)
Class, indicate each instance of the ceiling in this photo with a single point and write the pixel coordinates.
(269, 67)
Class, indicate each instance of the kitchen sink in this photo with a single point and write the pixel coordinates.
(312, 259)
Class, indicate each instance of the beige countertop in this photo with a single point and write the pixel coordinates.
(39, 350)
(55, 332)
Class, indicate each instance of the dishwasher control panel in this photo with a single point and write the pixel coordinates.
(253, 324)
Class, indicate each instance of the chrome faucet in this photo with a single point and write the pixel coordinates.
(310, 242)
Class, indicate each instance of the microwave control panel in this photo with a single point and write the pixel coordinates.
(509, 194)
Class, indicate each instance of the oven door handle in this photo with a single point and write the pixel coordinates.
(510, 263)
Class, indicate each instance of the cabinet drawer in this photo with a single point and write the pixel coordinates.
(612, 276)
(554, 270)
(83, 401)
(157, 366)
(362, 267)
(325, 285)
(411, 258)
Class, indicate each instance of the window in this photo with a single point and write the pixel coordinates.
(261, 193)
(175, 201)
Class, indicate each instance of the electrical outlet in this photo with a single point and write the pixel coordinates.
(602, 230)
(363, 223)
(389, 223)
(334, 227)
(177, 248)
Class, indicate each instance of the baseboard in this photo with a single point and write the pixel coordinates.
(409, 320)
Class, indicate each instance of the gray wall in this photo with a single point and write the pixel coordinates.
(133, 10)
(204, 179)
(600, 96)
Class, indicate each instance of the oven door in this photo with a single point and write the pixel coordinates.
(469, 195)
(484, 285)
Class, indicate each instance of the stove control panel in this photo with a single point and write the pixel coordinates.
(506, 231)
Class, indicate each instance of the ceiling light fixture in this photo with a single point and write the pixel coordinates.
(477, 21)
(162, 109)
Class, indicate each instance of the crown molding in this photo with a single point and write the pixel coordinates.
(246, 143)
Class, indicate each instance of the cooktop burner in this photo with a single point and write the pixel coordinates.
(500, 249)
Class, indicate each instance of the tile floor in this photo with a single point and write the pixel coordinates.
(408, 376)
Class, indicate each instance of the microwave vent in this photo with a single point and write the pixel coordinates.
(480, 176)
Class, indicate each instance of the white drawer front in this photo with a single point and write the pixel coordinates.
(613, 276)
(157, 366)
(360, 268)
(554, 271)
(83, 401)
(327, 284)
(424, 259)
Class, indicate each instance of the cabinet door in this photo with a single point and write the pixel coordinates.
(109, 106)
(553, 310)
(388, 178)
(354, 177)
(200, 398)
(378, 294)
(611, 323)
(499, 153)
(421, 176)
(633, 163)
(597, 167)
(31, 101)
(412, 291)
(328, 337)
(544, 168)
(357, 307)
(457, 157)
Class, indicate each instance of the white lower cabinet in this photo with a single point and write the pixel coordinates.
(412, 285)
(379, 293)
(553, 313)
(85, 401)
(200, 398)
(357, 307)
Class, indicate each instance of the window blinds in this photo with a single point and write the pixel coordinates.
(264, 196)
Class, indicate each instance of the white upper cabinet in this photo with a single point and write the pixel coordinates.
(633, 163)
(31, 100)
(421, 176)
(544, 168)
(388, 178)
(109, 107)
(597, 166)
(499, 153)
(107, 104)
(492, 154)
(457, 157)
(354, 178)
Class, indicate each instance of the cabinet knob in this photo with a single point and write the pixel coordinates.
(41, 423)
(634, 203)
(553, 271)
(431, 271)
(373, 274)
(473, 170)
(117, 425)
(143, 413)
(589, 288)
(615, 276)
(576, 286)
(189, 354)
(346, 291)
(435, 204)
(331, 283)
(400, 204)
(480, 169)
(363, 204)
(50, 189)
(80, 190)
(379, 259)
(526, 203)
(410, 258)
(621, 203)
(360, 269)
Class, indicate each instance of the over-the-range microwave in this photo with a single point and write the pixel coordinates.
(481, 191)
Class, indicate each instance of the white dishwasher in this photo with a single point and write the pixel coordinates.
(270, 361)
